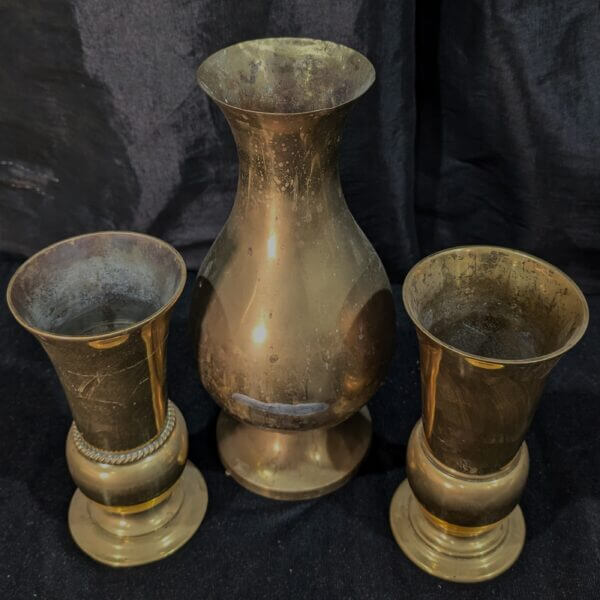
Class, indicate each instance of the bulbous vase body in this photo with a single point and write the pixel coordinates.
(293, 313)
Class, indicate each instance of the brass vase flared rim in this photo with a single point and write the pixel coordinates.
(110, 334)
(286, 39)
(572, 341)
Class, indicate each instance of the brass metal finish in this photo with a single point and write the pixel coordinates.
(461, 556)
(127, 456)
(130, 483)
(491, 323)
(293, 466)
(469, 500)
(292, 311)
(120, 538)
(100, 306)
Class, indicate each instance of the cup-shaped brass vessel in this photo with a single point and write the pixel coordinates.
(491, 324)
(100, 306)
(293, 313)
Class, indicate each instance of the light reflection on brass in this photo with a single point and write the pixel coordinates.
(100, 306)
(154, 337)
(110, 343)
(293, 313)
(431, 366)
(457, 530)
(491, 323)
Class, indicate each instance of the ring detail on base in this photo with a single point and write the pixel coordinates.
(462, 558)
(293, 465)
(125, 539)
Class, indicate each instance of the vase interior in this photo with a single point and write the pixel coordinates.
(95, 284)
(495, 303)
(285, 75)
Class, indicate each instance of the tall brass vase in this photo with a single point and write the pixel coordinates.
(100, 305)
(293, 313)
(491, 324)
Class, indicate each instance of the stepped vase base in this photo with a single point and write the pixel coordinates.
(121, 538)
(293, 466)
(466, 555)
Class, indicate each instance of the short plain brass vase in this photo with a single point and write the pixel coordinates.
(100, 306)
(491, 324)
(293, 314)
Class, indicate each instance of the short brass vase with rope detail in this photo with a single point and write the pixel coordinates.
(100, 305)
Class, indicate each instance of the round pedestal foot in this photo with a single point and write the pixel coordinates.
(293, 466)
(462, 558)
(120, 538)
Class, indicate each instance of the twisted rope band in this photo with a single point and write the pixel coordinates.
(128, 456)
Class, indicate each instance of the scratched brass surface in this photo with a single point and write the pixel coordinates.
(491, 324)
(292, 311)
(100, 306)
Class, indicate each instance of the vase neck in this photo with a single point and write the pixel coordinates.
(287, 157)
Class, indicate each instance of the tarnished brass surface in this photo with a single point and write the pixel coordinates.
(468, 500)
(122, 539)
(100, 306)
(456, 555)
(491, 323)
(293, 313)
(131, 483)
(293, 465)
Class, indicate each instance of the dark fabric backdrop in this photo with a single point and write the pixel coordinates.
(483, 127)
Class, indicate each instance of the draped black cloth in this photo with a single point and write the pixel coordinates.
(483, 127)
